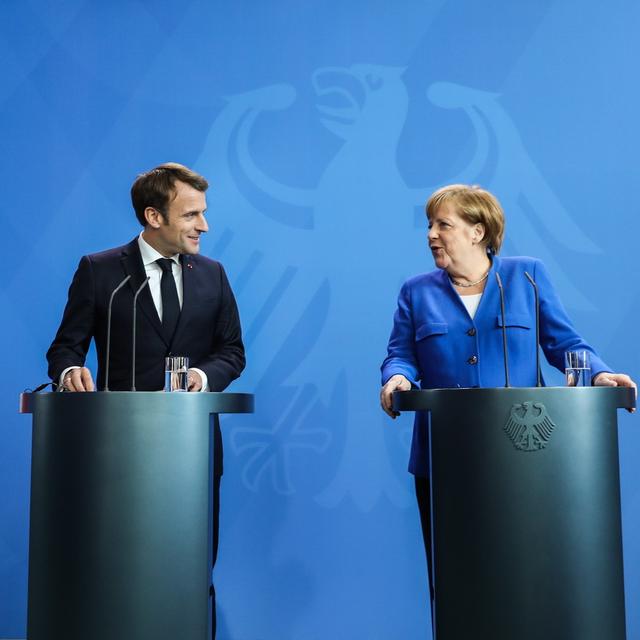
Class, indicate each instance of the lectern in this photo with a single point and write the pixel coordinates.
(120, 539)
(525, 504)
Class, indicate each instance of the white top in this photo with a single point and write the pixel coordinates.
(471, 302)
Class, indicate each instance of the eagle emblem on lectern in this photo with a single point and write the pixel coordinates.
(529, 426)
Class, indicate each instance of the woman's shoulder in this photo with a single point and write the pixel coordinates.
(517, 263)
(424, 279)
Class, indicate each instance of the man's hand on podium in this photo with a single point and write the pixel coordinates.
(194, 380)
(78, 379)
(394, 383)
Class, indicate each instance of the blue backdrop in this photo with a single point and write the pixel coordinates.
(323, 127)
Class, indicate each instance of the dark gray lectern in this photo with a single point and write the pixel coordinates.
(120, 539)
(525, 501)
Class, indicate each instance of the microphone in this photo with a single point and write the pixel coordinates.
(535, 291)
(504, 333)
(113, 293)
(145, 282)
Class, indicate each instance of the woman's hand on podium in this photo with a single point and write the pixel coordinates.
(394, 383)
(606, 379)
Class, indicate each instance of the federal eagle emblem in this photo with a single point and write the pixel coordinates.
(529, 426)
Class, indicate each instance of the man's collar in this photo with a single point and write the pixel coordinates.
(149, 254)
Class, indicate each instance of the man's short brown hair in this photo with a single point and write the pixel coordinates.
(156, 188)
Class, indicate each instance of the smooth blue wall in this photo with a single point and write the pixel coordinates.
(323, 127)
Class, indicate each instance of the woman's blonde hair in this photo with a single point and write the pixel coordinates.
(475, 205)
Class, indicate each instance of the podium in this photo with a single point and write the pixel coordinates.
(525, 505)
(120, 541)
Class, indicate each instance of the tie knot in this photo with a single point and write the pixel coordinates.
(166, 264)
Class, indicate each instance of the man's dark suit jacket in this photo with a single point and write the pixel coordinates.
(208, 331)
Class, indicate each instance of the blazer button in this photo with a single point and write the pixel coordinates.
(473, 360)
(472, 331)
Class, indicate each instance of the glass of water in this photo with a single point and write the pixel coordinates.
(176, 373)
(577, 368)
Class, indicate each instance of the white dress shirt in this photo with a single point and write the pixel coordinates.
(154, 272)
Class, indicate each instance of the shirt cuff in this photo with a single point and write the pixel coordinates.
(62, 375)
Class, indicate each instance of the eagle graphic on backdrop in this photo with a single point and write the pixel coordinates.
(529, 426)
(317, 270)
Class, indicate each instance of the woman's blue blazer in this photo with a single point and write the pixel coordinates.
(435, 344)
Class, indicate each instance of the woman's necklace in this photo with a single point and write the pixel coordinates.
(472, 284)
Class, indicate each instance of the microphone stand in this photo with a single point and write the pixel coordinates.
(535, 292)
(133, 356)
(504, 332)
(106, 376)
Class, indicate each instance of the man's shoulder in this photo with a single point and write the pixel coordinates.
(200, 261)
(116, 253)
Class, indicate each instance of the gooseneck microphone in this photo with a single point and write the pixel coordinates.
(145, 282)
(535, 293)
(113, 293)
(504, 332)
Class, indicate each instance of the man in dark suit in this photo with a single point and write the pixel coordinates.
(187, 309)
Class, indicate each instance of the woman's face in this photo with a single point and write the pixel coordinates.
(452, 240)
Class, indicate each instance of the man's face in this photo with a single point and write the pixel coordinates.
(179, 231)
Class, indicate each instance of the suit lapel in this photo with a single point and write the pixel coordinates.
(132, 265)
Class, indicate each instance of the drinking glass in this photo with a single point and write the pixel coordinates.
(577, 368)
(176, 370)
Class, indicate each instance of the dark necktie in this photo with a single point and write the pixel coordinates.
(170, 302)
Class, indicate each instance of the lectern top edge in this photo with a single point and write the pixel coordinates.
(428, 399)
(213, 401)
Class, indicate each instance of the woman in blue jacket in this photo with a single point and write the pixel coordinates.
(447, 330)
